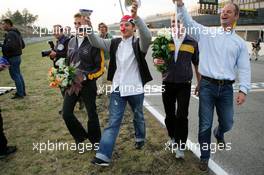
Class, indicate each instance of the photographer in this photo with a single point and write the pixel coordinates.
(12, 51)
(61, 47)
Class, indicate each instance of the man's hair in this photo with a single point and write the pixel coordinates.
(58, 28)
(8, 21)
(102, 24)
(77, 15)
(237, 10)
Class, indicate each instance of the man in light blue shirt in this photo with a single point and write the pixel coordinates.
(223, 54)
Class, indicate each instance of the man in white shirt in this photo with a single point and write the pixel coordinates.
(128, 72)
(223, 55)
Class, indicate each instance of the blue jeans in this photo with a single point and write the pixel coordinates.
(116, 111)
(16, 75)
(211, 96)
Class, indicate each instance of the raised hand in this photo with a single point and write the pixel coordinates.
(134, 9)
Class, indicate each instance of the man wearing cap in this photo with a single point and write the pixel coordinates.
(128, 72)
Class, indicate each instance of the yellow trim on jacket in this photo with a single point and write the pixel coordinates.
(101, 70)
(187, 48)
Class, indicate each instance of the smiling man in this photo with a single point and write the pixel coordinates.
(128, 71)
(223, 54)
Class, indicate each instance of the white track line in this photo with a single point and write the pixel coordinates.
(212, 165)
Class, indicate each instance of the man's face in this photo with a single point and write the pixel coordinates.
(127, 29)
(180, 27)
(228, 15)
(103, 29)
(4, 26)
(77, 23)
(57, 32)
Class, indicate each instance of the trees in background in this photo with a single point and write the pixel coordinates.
(24, 18)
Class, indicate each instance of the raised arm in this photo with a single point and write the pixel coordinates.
(193, 28)
(94, 39)
(144, 35)
(98, 42)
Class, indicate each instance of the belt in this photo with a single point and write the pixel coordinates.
(218, 82)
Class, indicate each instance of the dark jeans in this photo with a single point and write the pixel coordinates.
(88, 95)
(177, 118)
(16, 75)
(211, 96)
(3, 140)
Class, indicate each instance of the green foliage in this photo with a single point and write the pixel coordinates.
(23, 18)
(161, 50)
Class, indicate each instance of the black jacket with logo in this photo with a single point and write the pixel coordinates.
(91, 59)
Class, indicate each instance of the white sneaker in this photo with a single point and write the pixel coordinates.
(179, 154)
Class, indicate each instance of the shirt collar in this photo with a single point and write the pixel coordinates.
(128, 39)
(179, 39)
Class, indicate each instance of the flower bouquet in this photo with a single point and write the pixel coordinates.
(162, 48)
(65, 77)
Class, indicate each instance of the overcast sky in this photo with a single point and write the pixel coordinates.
(61, 11)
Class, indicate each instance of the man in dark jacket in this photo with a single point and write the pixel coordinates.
(12, 51)
(90, 65)
(61, 47)
(177, 81)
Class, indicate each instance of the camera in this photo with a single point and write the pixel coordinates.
(46, 53)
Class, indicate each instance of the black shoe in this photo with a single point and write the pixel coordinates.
(139, 145)
(9, 150)
(16, 96)
(219, 140)
(203, 165)
(99, 162)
